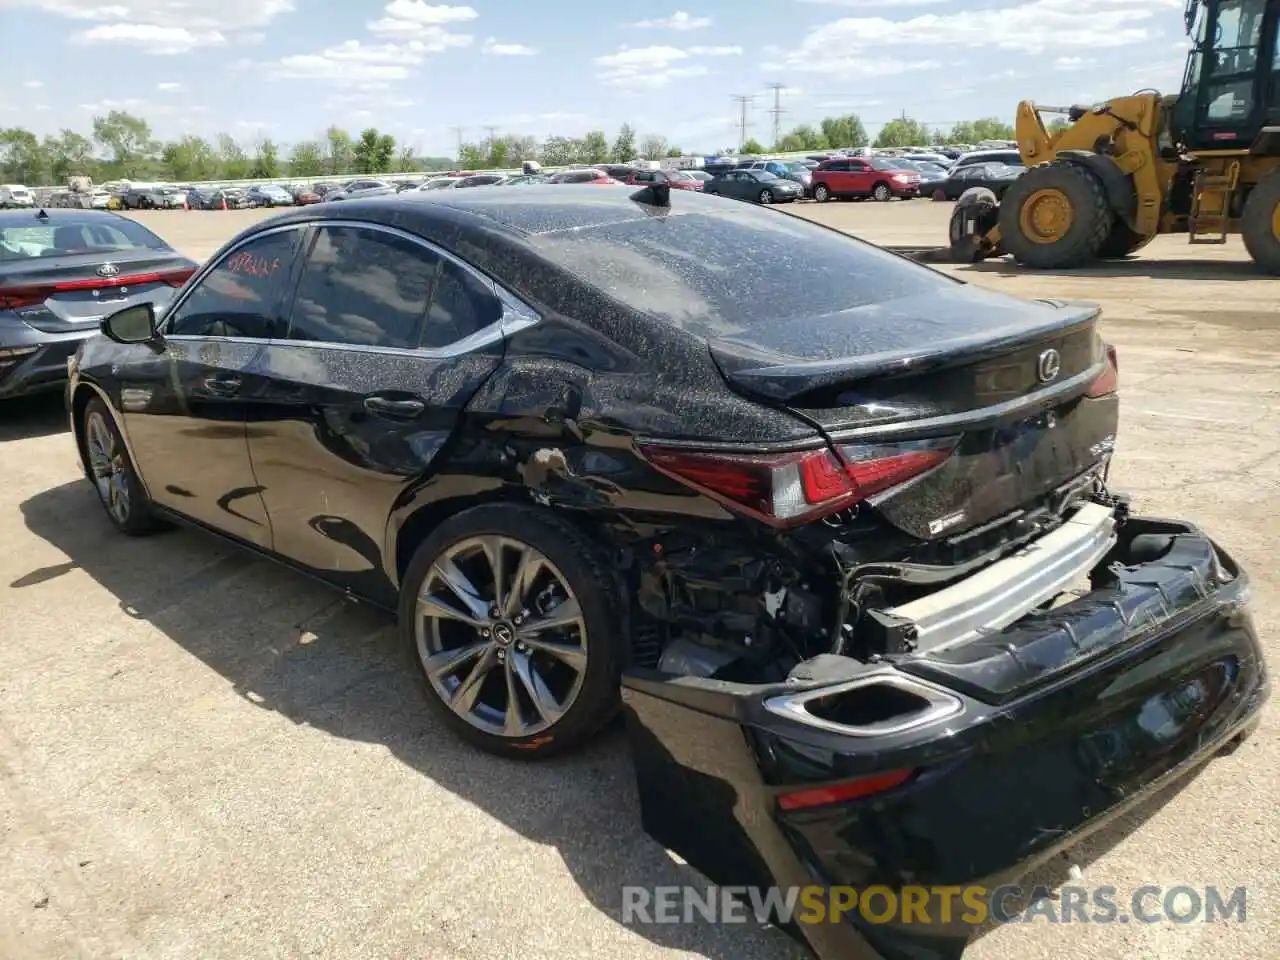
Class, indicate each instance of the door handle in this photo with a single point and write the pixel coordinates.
(394, 409)
(224, 386)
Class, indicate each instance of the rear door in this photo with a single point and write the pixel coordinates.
(388, 339)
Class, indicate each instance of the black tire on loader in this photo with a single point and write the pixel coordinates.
(980, 204)
(1260, 224)
(1121, 241)
(1063, 183)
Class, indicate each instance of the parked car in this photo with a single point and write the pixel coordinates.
(232, 198)
(361, 189)
(524, 180)
(306, 196)
(675, 178)
(480, 180)
(153, 198)
(441, 183)
(14, 195)
(582, 175)
(845, 178)
(61, 271)
(270, 195)
(931, 174)
(821, 516)
(757, 186)
(1011, 158)
(786, 170)
(995, 177)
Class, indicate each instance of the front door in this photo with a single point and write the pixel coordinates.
(387, 341)
(1229, 75)
(183, 407)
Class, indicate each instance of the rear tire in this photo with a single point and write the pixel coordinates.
(1260, 224)
(1055, 216)
(577, 687)
(821, 194)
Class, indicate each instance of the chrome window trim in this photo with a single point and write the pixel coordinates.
(516, 314)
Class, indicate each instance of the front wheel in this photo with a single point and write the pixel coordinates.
(1055, 216)
(513, 619)
(882, 193)
(821, 193)
(766, 196)
(1260, 224)
(111, 470)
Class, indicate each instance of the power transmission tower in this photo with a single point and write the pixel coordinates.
(458, 132)
(743, 101)
(777, 112)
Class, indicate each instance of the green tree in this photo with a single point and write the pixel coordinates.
(1057, 125)
(804, 137)
(22, 158)
(624, 146)
(845, 131)
(990, 128)
(374, 151)
(191, 158)
(595, 147)
(266, 161)
(473, 156)
(70, 154)
(232, 160)
(753, 147)
(653, 147)
(406, 162)
(306, 159)
(902, 132)
(338, 151)
(127, 138)
(674, 152)
(558, 151)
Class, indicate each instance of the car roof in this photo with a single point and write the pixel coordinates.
(31, 218)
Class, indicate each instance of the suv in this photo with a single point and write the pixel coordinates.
(874, 177)
(16, 195)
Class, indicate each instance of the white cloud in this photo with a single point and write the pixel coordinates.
(879, 4)
(33, 84)
(200, 17)
(152, 38)
(1067, 64)
(353, 63)
(493, 47)
(853, 64)
(716, 51)
(130, 104)
(418, 20)
(646, 67)
(41, 107)
(169, 87)
(677, 21)
(1030, 27)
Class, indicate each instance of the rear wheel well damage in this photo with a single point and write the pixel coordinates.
(79, 401)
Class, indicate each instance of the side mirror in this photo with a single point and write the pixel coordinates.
(136, 324)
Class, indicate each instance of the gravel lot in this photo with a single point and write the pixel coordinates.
(202, 755)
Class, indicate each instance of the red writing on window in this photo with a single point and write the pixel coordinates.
(253, 266)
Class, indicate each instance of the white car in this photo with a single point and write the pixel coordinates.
(99, 199)
(441, 183)
(16, 195)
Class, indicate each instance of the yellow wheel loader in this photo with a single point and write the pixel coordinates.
(1205, 162)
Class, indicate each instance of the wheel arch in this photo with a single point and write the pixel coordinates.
(85, 391)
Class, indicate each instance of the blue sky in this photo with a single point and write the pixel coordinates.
(288, 68)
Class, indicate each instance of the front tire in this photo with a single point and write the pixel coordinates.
(882, 193)
(111, 470)
(766, 196)
(1260, 224)
(1055, 216)
(513, 620)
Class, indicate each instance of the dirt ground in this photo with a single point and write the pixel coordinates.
(205, 756)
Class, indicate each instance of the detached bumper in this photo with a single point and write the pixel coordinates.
(1027, 740)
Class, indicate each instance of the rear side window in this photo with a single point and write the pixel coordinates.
(363, 287)
(462, 305)
(731, 271)
(71, 235)
(241, 296)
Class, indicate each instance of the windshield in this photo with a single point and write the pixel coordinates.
(69, 236)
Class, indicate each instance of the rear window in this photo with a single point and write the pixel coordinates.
(71, 236)
(734, 271)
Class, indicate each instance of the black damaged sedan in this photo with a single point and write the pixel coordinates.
(836, 525)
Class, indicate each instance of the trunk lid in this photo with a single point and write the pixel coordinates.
(74, 293)
(1006, 378)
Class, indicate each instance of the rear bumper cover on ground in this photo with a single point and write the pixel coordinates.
(1064, 719)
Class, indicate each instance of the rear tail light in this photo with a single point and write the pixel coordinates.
(1108, 381)
(793, 488)
(841, 792)
(15, 298)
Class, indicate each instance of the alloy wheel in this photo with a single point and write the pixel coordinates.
(501, 636)
(766, 196)
(883, 193)
(108, 466)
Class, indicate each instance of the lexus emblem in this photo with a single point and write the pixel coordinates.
(1049, 365)
(108, 270)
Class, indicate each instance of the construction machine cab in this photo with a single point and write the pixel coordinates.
(1231, 87)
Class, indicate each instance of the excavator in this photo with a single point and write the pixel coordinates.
(1204, 162)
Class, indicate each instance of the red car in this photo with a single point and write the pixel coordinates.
(581, 175)
(847, 177)
(305, 197)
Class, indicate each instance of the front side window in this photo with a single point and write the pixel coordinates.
(363, 287)
(240, 297)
